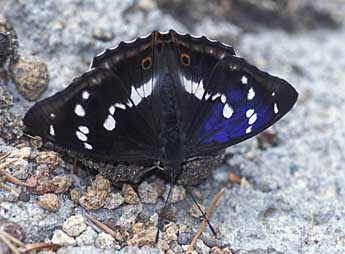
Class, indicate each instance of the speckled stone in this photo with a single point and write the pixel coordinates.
(74, 225)
(106, 241)
(195, 210)
(49, 202)
(6, 99)
(62, 183)
(96, 194)
(131, 197)
(30, 76)
(11, 126)
(49, 158)
(148, 193)
(178, 193)
(88, 237)
(114, 200)
(60, 237)
(10, 49)
(142, 235)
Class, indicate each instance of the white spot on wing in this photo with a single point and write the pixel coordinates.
(88, 146)
(227, 111)
(251, 94)
(147, 87)
(84, 129)
(273, 94)
(249, 113)
(85, 95)
(79, 110)
(120, 105)
(129, 104)
(200, 91)
(249, 130)
(111, 110)
(244, 80)
(52, 115)
(51, 130)
(135, 97)
(214, 97)
(188, 85)
(252, 119)
(207, 96)
(81, 136)
(275, 108)
(109, 123)
(223, 98)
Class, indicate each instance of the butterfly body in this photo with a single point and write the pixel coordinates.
(166, 97)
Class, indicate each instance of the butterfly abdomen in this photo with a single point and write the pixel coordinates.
(171, 134)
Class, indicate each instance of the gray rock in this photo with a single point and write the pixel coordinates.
(88, 237)
(114, 200)
(61, 238)
(106, 241)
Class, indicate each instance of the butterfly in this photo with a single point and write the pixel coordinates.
(167, 98)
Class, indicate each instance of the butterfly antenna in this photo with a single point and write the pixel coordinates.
(163, 211)
(202, 212)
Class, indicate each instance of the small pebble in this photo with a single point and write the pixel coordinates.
(96, 194)
(184, 238)
(49, 158)
(4, 78)
(171, 231)
(12, 228)
(74, 225)
(12, 49)
(129, 216)
(178, 193)
(101, 183)
(142, 235)
(20, 169)
(5, 47)
(114, 200)
(60, 237)
(88, 237)
(106, 241)
(218, 250)
(62, 183)
(49, 202)
(201, 248)
(195, 211)
(102, 34)
(148, 193)
(131, 197)
(75, 195)
(11, 126)
(6, 99)
(268, 138)
(30, 76)
(163, 244)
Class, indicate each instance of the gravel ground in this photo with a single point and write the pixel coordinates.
(290, 199)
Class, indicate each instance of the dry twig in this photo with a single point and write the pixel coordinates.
(102, 226)
(204, 222)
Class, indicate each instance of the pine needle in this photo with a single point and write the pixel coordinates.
(204, 222)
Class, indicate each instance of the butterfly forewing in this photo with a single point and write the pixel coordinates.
(95, 115)
(242, 102)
